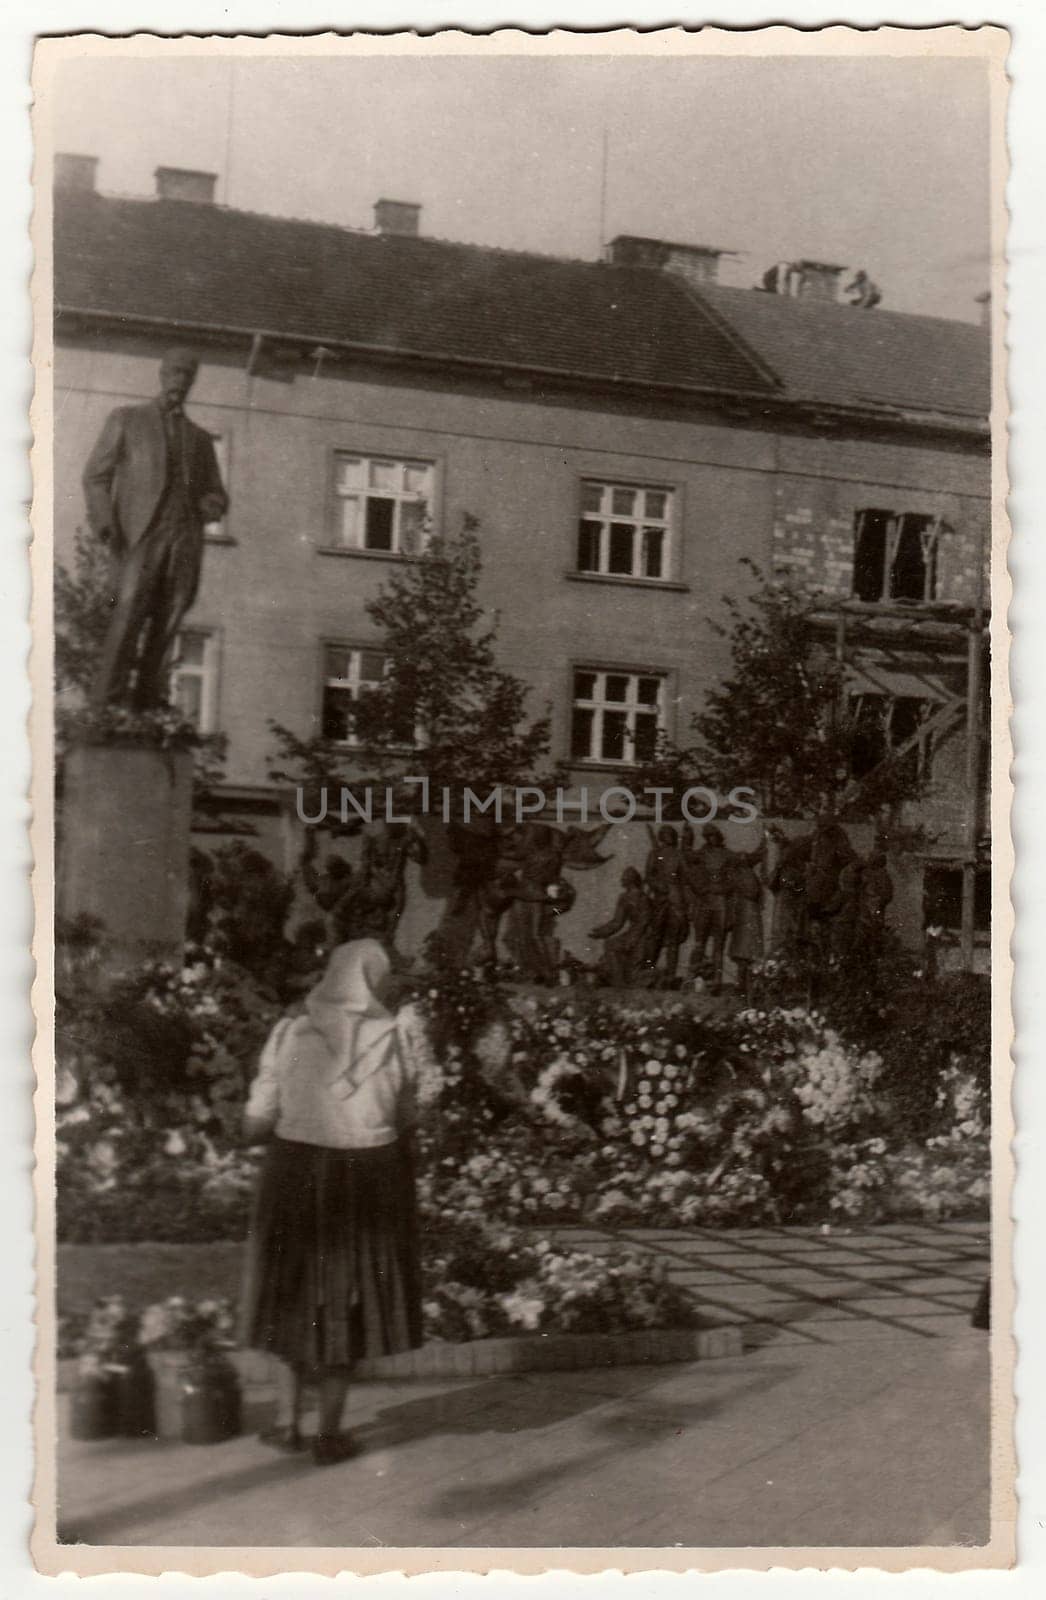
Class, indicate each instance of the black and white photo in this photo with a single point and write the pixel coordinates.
(521, 520)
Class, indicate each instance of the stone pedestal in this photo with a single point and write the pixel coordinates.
(124, 845)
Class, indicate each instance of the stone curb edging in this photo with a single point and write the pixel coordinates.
(556, 1352)
(482, 1358)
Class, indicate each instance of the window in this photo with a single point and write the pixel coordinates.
(347, 673)
(194, 678)
(617, 716)
(381, 504)
(624, 530)
(882, 723)
(217, 530)
(895, 556)
(942, 898)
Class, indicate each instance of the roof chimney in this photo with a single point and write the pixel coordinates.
(185, 183)
(985, 302)
(696, 263)
(818, 280)
(74, 172)
(397, 216)
(803, 280)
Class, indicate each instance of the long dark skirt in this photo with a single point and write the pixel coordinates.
(332, 1271)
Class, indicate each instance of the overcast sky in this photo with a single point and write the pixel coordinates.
(880, 164)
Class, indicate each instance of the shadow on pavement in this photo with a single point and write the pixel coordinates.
(100, 1526)
(508, 1405)
(503, 1405)
(633, 1425)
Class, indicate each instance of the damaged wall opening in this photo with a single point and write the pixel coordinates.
(895, 555)
(882, 723)
(942, 898)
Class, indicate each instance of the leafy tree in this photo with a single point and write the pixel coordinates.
(779, 722)
(444, 710)
(82, 606)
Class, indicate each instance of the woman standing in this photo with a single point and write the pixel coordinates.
(332, 1269)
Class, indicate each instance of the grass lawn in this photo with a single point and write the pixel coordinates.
(142, 1273)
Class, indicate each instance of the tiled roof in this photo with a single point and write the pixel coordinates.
(837, 355)
(180, 262)
(189, 264)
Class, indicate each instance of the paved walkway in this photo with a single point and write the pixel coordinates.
(858, 1416)
(814, 1286)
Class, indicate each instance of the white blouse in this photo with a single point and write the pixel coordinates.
(293, 1095)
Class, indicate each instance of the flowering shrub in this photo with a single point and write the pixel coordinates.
(162, 1029)
(164, 1172)
(457, 1005)
(580, 1293)
(152, 1068)
(918, 1023)
(108, 1338)
(194, 1326)
(164, 727)
(551, 1112)
(482, 1281)
(479, 1280)
(948, 1173)
(660, 1116)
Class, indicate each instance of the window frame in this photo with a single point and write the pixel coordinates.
(356, 647)
(952, 930)
(938, 525)
(335, 453)
(923, 750)
(209, 675)
(672, 525)
(666, 703)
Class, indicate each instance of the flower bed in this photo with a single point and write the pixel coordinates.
(536, 1112)
(660, 1116)
(480, 1282)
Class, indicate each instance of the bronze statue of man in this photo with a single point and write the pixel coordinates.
(151, 484)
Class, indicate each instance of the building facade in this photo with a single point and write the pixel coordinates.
(622, 432)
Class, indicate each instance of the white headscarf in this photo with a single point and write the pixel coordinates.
(360, 1034)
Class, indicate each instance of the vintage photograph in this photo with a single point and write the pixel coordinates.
(515, 552)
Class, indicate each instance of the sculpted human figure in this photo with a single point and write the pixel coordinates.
(788, 887)
(333, 887)
(151, 485)
(875, 897)
(844, 909)
(533, 913)
(626, 935)
(518, 870)
(486, 874)
(708, 875)
(745, 915)
(666, 888)
(830, 853)
(386, 851)
(860, 905)
(550, 853)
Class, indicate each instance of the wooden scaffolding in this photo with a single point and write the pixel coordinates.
(950, 636)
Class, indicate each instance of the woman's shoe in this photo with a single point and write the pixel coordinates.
(287, 1439)
(330, 1448)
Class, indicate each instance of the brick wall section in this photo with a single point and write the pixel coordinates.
(824, 483)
